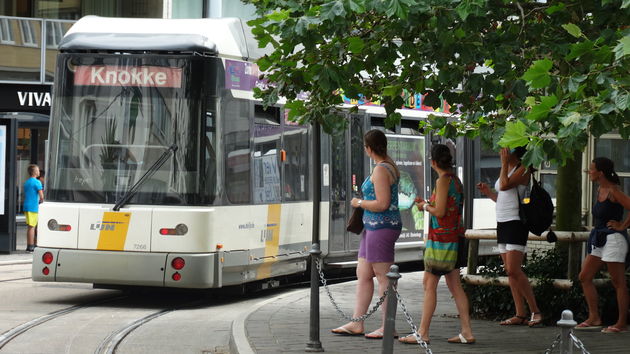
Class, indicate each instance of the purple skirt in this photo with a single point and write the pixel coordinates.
(378, 245)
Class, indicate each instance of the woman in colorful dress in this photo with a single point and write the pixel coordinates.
(443, 256)
(607, 244)
(381, 219)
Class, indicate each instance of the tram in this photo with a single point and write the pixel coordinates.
(164, 171)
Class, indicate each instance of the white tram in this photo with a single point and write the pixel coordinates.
(164, 171)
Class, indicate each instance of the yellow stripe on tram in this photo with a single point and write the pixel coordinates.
(114, 229)
(271, 243)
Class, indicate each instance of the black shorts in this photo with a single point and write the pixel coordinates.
(513, 232)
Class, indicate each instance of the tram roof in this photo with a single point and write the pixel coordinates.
(225, 37)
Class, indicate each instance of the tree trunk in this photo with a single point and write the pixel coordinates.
(569, 208)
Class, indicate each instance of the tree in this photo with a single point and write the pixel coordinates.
(545, 74)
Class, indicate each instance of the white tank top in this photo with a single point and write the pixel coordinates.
(507, 201)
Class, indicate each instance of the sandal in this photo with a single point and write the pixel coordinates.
(535, 322)
(586, 325)
(411, 339)
(514, 321)
(613, 329)
(460, 339)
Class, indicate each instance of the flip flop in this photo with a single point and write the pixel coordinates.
(613, 329)
(535, 322)
(460, 339)
(514, 321)
(377, 335)
(343, 331)
(411, 339)
(585, 326)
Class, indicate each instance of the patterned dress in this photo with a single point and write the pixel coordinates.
(445, 233)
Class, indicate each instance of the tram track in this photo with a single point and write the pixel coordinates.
(14, 279)
(111, 343)
(13, 333)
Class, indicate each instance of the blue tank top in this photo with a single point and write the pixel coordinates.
(388, 219)
(602, 213)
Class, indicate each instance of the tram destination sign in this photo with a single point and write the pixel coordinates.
(143, 76)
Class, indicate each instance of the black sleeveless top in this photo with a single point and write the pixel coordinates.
(603, 212)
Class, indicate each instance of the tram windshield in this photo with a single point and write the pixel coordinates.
(114, 116)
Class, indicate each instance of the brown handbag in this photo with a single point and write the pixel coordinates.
(355, 223)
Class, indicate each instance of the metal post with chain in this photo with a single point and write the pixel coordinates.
(578, 344)
(414, 329)
(314, 344)
(566, 325)
(390, 313)
(553, 345)
(336, 306)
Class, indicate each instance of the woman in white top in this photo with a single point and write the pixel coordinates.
(512, 233)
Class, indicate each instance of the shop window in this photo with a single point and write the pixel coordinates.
(6, 31)
(29, 36)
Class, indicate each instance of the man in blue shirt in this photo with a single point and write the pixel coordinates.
(33, 195)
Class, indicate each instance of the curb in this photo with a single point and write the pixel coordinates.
(239, 343)
(20, 261)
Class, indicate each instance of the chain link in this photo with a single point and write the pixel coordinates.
(553, 345)
(336, 306)
(578, 343)
(414, 329)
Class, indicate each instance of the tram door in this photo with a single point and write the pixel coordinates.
(347, 169)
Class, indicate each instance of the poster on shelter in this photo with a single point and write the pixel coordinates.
(3, 165)
(409, 154)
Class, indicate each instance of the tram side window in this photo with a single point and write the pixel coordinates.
(409, 127)
(266, 157)
(489, 168)
(237, 154)
(295, 183)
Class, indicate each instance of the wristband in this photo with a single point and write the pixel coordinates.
(425, 207)
(360, 200)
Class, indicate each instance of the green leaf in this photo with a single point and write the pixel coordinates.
(625, 4)
(622, 101)
(515, 135)
(573, 30)
(356, 7)
(333, 9)
(392, 91)
(534, 156)
(278, 16)
(530, 101)
(459, 33)
(607, 108)
(555, 8)
(537, 76)
(437, 122)
(542, 109)
(623, 48)
(396, 9)
(579, 49)
(355, 45)
(574, 82)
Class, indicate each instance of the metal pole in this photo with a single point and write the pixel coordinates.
(566, 325)
(314, 344)
(390, 313)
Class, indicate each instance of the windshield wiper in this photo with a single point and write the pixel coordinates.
(125, 198)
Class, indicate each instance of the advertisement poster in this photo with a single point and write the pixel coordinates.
(3, 164)
(409, 154)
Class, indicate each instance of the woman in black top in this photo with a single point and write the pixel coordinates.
(607, 244)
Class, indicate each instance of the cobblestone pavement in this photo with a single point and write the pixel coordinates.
(282, 326)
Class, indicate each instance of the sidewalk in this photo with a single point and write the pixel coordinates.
(281, 325)
(20, 255)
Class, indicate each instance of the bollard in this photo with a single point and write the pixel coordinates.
(566, 325)
(390, 312)
(314, 344)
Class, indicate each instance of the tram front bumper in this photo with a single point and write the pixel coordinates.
(126, 268)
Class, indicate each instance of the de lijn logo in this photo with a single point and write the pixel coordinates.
(105, 225)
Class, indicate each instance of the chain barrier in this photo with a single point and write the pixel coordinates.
(334, 303)
(578, 343)
(410, 321)
(553, 345)
(380, 301)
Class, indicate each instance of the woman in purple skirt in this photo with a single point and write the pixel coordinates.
(382, 222)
